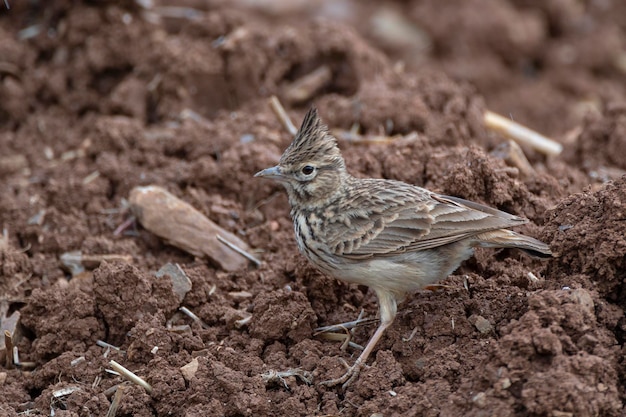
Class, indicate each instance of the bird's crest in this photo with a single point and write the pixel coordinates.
(313, 142)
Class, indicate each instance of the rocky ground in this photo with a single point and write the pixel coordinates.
(97, 98)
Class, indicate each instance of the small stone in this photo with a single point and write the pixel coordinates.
(246, 138)
(583, 297)
(421, 363)
(480, 400)
(505, 383)
(181, 284)
(482, 324)
(189, 370)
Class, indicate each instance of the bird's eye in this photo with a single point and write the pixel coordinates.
(308, 169)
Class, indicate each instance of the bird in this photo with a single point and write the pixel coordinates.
(393, 237)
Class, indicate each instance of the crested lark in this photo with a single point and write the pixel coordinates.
(391, 236)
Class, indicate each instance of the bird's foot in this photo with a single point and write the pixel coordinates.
(351, 374)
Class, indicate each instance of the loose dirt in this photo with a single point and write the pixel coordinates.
(97, 98)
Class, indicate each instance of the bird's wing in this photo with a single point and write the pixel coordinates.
(388, 218)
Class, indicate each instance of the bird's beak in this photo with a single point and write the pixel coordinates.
(271, 173)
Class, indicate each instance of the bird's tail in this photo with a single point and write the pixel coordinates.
(503, 238)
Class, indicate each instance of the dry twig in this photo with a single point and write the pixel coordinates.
(181, 225)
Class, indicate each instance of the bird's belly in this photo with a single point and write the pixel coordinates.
(407, 272)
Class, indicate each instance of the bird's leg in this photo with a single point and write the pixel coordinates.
(388, 308)
(353, 371)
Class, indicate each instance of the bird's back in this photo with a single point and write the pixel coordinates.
(385, 217)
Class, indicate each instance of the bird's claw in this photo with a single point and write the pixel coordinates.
(351, 374)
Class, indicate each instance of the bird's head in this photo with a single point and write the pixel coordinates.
(311, 168)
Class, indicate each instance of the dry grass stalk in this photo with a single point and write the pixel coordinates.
(64, 392)
(125, 373)
(76, 262)
(360, 321)
(305, 87)
(282, 115)
(4, 239)
(328, 332)
(239, 250)
(10, 333)
(192, 316)
(196, 117)
(521, 134)
(8, 343)
(345, 339)
(91, 177)
(532, 277)
(243, 322)
(106, 345)
(354, 136)
(115, 402)
(112, 390)
(78, 360)
(511, 153)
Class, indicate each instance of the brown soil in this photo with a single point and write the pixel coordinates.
(99, 97)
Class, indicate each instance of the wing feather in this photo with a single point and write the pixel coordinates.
(407, 218)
